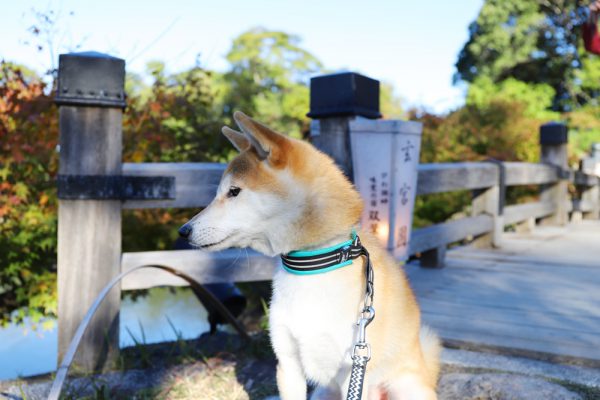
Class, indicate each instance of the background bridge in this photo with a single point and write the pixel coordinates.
(537, 293)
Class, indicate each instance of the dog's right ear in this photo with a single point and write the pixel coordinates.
(269, 145)
(237, 139)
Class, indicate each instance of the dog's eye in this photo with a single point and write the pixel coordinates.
(233, 191)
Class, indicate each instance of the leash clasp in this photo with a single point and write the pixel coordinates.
(365, 319)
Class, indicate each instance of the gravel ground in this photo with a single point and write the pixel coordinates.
(223, 368)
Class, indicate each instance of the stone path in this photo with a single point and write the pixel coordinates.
(466, 375)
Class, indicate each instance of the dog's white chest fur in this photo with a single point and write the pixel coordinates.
(313, 318)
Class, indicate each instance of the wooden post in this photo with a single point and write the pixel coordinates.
(332, 137)
(335, 100)
(591, 194)
(434, 258)
(553, 141)
(485, 201)
(490, 201)
(91, 98)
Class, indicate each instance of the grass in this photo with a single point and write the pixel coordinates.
(219, 382)
(212, 367)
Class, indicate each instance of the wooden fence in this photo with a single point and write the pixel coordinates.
(90, 228)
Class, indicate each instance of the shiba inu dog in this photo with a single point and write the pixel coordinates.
(281, 195)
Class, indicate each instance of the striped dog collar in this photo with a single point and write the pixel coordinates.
(307, 262)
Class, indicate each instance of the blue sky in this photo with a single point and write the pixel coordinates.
(411, 44)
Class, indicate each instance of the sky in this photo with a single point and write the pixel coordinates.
(411, 44)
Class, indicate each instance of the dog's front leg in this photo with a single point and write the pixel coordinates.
(290, 379)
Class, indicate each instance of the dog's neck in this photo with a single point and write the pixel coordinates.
(332, 241)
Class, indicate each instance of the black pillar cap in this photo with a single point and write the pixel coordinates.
(554, 133)
(91, 79)
(344, 94)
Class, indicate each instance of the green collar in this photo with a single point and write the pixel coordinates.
(310, 262)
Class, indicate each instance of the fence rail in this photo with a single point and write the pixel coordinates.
(449, 177)
(196, 184)
(522, 173)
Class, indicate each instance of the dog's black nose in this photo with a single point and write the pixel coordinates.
(185, 231)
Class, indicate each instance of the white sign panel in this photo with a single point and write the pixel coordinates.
(385, 156)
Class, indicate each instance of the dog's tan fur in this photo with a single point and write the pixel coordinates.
(405, 357)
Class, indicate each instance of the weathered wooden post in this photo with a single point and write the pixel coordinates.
(553, 142)
(91, 98)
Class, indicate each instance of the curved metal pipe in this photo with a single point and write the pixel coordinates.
(63, 369)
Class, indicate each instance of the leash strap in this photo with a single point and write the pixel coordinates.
(357, 377)
(361, 353)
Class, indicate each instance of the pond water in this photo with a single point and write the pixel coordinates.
(25, 352)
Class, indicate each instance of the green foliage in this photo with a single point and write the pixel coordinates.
(28, 165)
(503, 35)
(175, 119)
(535, 98)
(438, 207)
(533, 42)
(584, 129)
(154, 229)
(500, 130)
(589, 76)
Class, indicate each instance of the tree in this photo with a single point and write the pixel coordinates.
(534, 42)
(176, 118)
(268, 79)
(535, 98)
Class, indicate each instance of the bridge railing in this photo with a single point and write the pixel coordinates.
(196, 184)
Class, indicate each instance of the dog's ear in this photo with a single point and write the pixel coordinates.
(237, 139)
(269, 144)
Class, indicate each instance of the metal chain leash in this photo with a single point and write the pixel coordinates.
(361, 353)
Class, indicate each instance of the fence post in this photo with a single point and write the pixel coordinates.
(91, 98)
(335, 100)
(591, 195)
(490, 201)
(553, 141)
(434, 258)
